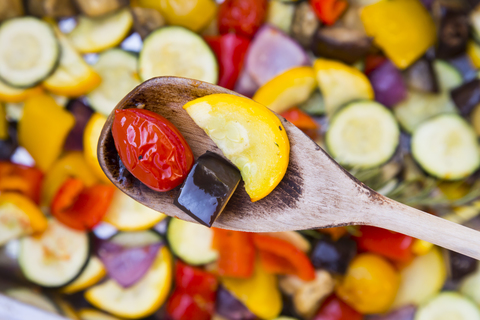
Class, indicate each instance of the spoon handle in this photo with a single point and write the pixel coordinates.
(418, 224)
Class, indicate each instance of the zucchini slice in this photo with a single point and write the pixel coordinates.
(448, 76)
(29, 51)
(33, 298)
(448, 305)
(56, 257)
(118, 70)
(363, 134)
(93, 273)
(136, 238)
(446, 147)
(141, 299)
(191, 242)
(420, 106)
(176, 51)
(94, 35)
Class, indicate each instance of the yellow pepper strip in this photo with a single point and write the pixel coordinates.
(191, 14)
(404, 29)
(3, 123)
(259, 293)
(473, 51)
(71, 165)
(43, 128)
(421, 247)
(287, 90)
(19, 216)
(90, 142)
(11, 94)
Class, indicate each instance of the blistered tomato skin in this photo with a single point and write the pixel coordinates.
(242, 17)
(151, 148)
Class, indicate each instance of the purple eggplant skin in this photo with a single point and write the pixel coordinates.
(453, 28)
(404, 313)
(461, 266)
(82, 114)
(422, 77)
(346, 45)
(333, 256)
(467, 96)
(388, 84)
(230, 307)
(9, 145)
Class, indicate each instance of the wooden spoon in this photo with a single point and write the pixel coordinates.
(316, 192)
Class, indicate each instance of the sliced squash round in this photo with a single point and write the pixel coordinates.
(93, 273)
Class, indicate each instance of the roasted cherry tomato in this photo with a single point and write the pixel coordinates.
(328, 11)
(195, 294)
(151, 148)
(395, 246)
(22, 179)
(230, 50)
(80, 207)
(243, 17)
(335, 309)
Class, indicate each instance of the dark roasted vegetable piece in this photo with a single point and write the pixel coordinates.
(51, 8)
(9, 145)
(467, 96)
(95, 8)
(305, 23)
(460, 265)
(421, 76)
(333, 256)
(82, 114)
(347, 45)
(145, 20)
(404, 313)
(207, 188)
(453, 28)
(10, 9)
(230, 307)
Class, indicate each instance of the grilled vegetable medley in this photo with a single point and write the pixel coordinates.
(389, 88)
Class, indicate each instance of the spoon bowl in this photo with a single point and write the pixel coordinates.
(316, 192)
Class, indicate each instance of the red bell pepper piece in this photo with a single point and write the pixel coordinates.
(236, 253)
(81, 207)
(230, 50)
(194, 295)
(335, 309)
(373, 61)
(22, 179)
(281, 257)
(328, 11)
(299, 118)
(392, 245)
(243, 17)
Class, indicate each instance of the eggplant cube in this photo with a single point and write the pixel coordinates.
(207, 188)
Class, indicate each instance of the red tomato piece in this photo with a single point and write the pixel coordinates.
(151, 148)
(299, 118)
(281, 257)
(335, 309)
(22, 179)
(392, 245)
(236, 253)
(195, 294)
(328, 11)
(79, 207)
(230, 50)
(243, 17)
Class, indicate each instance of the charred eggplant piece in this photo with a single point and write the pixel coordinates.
(82, 113)
(9, 145)
(304, 24)
(207, 188)
(230, 307)
(95, 8)
(145, 20)
(460, 265)
(421, 76)
(347, 45)
(51, 8)
(467, 96)
(453, 28)
(334, 256)
(10, 9)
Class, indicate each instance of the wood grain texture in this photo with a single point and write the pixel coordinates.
(316, 192)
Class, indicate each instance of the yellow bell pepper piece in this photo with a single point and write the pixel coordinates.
(71, 165)
(421, 247)
(259, 293)
(287, 90)
(90, 142)
(43, 128)
(473, 51)
(3, 123)
(19, 216)
(404, 29)
(191, 14)
(11, 94)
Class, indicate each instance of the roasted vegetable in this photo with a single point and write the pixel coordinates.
(145, 20)
(347, 45)
(388, 84)
(453, 29)
(51, 8)
(10, 9)
(95, 8)
(421, 76)
(333, 256)
(304, 24)
(230, 307)
(467, 96)
(460, 265)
